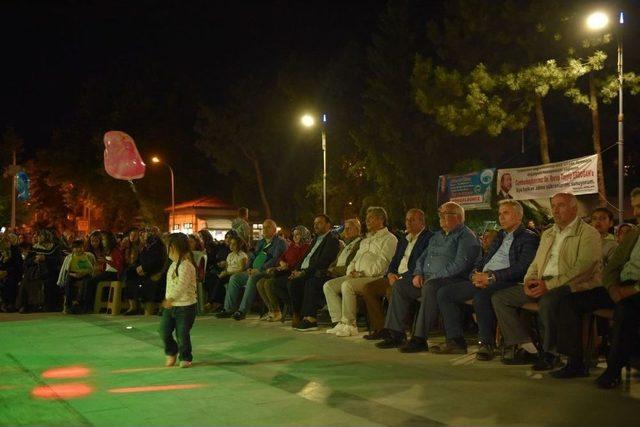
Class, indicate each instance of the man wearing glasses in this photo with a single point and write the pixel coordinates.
(449, 257)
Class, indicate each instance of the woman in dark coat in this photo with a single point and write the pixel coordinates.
(10, 272)
(144, 277)
(41, 269)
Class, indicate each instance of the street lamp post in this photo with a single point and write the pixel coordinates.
(13, 194)
(598, 21)
(309, 121)
(156, 159)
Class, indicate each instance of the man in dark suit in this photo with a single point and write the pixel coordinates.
(305, 282)
(409, 249)
(503, 265)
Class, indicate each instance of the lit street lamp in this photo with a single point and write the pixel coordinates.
(598, 21)
(156, 159)
(309, 121)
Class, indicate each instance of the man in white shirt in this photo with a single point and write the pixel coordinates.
(370, 263)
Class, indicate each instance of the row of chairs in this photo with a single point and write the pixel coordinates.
(113, 304)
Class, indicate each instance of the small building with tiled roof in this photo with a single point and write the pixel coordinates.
(206, 212)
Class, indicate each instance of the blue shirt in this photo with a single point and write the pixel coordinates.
(500, 260)
(449, 255)
(307, 259)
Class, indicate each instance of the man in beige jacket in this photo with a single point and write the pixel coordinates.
(569, 259)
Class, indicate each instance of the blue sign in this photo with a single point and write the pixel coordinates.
(471, 191)
(22, 186)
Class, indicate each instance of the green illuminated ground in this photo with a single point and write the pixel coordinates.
(255, 373)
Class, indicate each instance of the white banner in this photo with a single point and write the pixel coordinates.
(575, 176)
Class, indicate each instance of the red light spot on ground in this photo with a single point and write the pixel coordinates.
(61, 391)
(155, 388)
(66, 372)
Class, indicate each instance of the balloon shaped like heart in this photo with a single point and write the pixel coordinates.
(121, 157)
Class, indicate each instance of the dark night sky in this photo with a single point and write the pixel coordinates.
(51, 48)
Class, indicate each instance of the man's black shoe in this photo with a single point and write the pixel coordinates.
(570, 371)
(377, 335)
(414, 345)
(519, 356)
(608, 380)
(449, 347)
(546, 362)
(392, 341)
(485, 352)
(306, 326)
(224, 314)
(238, 315)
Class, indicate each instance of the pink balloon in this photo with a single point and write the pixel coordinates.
(121, 157)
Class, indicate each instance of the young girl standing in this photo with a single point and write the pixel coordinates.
(180, 302)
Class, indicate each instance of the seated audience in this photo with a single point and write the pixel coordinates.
(235, 262)
(622, 280)
(94, 246)
(370, 263)
(622, 230)
(602, 220)
(287, 262)
(569, 259)
(215, 281)
(350, 244)
(197, 251)
(503, 265)
(114, 267)
(39, 282)
(242, 228)
(266, 255)
(409, 249)
(130, 246)
(76, 269)
(449, 257)
(144, 276)
(487, 238)
(11, 269)
(573, 307)
(304, 284)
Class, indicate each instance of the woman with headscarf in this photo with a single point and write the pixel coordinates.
(280, 274)
(41, 268)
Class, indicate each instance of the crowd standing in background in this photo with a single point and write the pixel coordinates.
(567, 270)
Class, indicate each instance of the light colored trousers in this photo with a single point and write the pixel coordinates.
(341, 294)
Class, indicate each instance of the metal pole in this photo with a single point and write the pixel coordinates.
(324, 171)
(13, 193)
(173, 201)
(620, 126)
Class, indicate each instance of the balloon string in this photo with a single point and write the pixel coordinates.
(133, 187)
